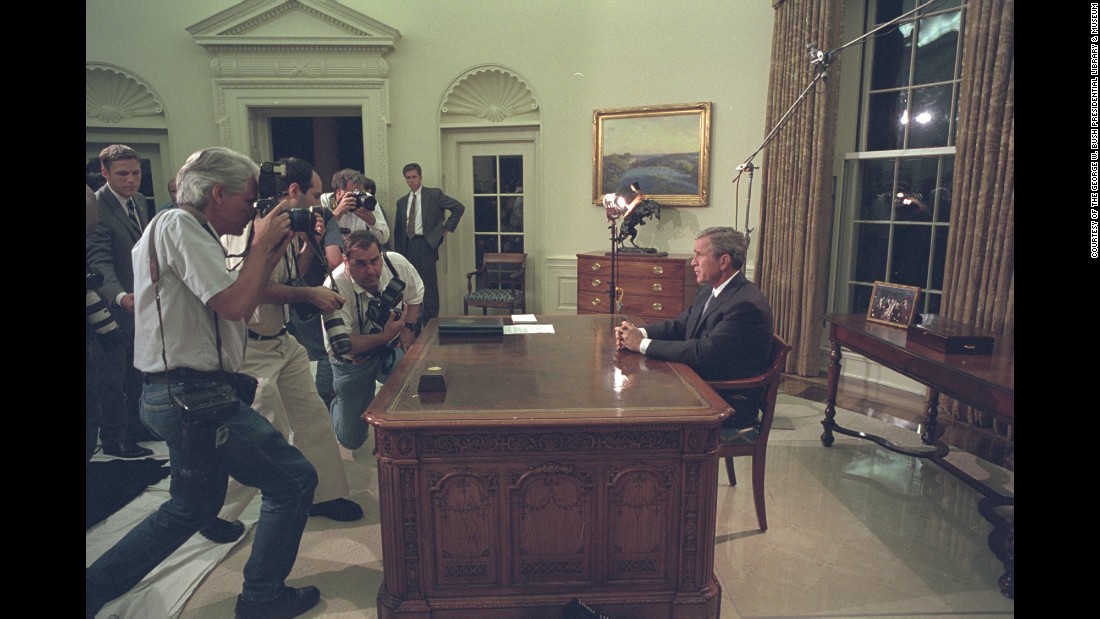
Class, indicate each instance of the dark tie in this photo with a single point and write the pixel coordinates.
(131, 210)
(411, 232)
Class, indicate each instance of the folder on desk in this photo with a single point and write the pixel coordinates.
(471, 326)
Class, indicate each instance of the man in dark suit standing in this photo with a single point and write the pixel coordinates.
(725, 334)
(122, 217)
(418, 232)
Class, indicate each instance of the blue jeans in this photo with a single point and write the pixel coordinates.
(354, 386)
(255, 454)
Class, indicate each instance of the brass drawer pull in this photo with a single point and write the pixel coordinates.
(596, 266)
(596, 301)
(658, 270)
(658, 287)
(596, 283)
(657, 307)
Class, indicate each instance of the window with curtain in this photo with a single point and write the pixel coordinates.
(498, 204)
(896, 189)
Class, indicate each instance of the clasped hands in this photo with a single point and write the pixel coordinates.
(628, 336)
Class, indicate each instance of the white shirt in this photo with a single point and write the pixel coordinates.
(192, 270)
(354, 311)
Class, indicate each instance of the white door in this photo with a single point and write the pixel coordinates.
(493, 173)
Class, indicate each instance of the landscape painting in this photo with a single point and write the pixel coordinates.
(665, 149)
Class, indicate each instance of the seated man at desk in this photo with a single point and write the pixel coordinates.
(725, 334)
(366, 337)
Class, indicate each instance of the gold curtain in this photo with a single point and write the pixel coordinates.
(979, 278)
(797, 189)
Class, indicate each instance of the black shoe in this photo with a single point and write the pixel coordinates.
(343, 510)
(126, 449)
(223, 531)
(291, 603)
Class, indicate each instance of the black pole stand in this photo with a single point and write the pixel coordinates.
(612, 302)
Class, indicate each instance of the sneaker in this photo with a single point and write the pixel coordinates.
(290, 603)
(223, 531)
(343, 510)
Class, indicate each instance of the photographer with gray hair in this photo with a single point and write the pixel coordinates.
(190, 314)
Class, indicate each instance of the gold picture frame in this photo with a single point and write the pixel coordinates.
(663, 148)
(893, 304)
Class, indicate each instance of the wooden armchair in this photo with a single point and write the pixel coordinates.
(500, 282)
(754, 441)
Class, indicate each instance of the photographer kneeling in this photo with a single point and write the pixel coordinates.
(367, 336)
(190, 314)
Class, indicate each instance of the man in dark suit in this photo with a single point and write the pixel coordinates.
(122, 217)
(418, 232)
(725, 334)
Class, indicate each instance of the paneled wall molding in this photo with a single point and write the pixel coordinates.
(295, 39)
(489, 93)
(113, 95)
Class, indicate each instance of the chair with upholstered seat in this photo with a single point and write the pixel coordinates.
(500, 283)
(754, 441)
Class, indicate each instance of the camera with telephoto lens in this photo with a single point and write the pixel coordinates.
(382, 307)
(271, 186)
(339, 336)
(99, 315)
(364, 199)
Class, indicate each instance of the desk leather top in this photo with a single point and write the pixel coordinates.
(574, 375)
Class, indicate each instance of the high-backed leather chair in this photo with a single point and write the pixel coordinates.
(754, 441)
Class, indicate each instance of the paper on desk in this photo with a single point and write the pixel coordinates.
(518, 318)
(524, 329)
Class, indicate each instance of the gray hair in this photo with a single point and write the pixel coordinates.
(726, 240)
(342, 178)
(213, 166)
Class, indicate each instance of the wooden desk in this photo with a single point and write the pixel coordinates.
(986, 382)
(553, 467)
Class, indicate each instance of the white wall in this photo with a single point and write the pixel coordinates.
(578, 55)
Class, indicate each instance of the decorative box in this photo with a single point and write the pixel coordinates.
(951, 336)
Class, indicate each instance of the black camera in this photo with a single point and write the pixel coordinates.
(364, 200)
(99, 315)
(271, 186)
(382, 307)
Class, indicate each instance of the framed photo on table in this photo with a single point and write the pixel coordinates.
(663, 148)
(893, 304)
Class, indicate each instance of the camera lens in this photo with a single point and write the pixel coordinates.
(301, 219)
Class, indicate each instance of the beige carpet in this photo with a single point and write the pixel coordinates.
(849, 534)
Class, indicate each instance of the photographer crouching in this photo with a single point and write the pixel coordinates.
(367, 336)
(190, 314)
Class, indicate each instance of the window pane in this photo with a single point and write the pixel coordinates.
(485, 214)
(511, 214)
(485, 174)
(930, 116)
(861, 299)
(870, 251)
(511, 174)
(937, 43)
(890, 67)
(878, 190)
(909, 255)
(884, 121)
(486, 244)
(511, 243)
(940, 258)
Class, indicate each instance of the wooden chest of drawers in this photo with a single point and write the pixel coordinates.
(654, 288)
